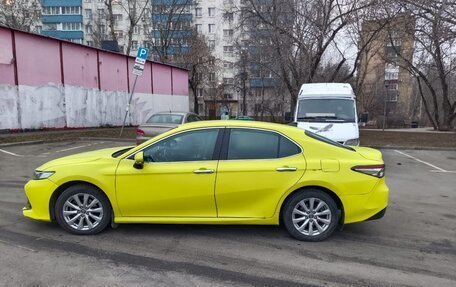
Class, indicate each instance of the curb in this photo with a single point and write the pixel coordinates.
(107, 139)
(414, 148)
(23, 143)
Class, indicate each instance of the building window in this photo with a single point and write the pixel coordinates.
(101, 13)
(51, 10)
(74, 10)
(117, 18)
(211, 77)
(198, 12)
(211, 28)
(134, 45)
(228, 81)
(136, 30)
(227, 96)
(71, 26)
(199, 28)
(391, 75)
(211, 11)
(88, 13)
(199, 92)
(89, 29)
(228, 33)
(102, 29)
(392, 86)
(394, 39)
(211, 44)
(228, 65)
(119, 33)
(228, 16)
(78, 41)
(228, 50)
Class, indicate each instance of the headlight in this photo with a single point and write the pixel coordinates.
(42, 174)
(353, 142)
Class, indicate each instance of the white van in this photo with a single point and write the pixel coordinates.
(328, 109)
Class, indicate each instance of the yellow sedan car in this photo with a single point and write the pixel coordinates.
(215, 172)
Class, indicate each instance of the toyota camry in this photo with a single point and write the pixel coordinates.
(215, 172)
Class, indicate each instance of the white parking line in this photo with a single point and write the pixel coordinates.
(71, 148)
(438, 169)
(10, 153)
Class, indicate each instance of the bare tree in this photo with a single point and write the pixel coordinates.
(110, 18)
(134, 9)
(303, 36)
(200, 63)
(20, 14)
(170, 28)
(433, 63)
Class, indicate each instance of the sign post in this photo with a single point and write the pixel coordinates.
(138, 69)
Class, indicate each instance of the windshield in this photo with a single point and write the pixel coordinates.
(326, 110)
(165, 119)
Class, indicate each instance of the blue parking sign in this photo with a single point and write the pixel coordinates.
(142, 53)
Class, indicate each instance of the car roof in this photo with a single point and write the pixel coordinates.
(236, 123)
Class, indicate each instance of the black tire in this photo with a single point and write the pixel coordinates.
(79, 191)
(306, 197)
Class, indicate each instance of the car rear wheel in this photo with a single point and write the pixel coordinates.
(311, 215)
(83, 209)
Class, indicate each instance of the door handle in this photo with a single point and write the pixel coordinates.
(203, 170)
(286, 168)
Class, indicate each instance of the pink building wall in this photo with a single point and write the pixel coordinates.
(46, 82)
(6, 58)
(79, 66)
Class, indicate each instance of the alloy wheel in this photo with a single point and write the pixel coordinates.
(82, 211)
(311, 216)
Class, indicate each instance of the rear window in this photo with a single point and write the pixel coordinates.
(326, 140)
(165, 119)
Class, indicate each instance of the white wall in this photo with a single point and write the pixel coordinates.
(57, 106)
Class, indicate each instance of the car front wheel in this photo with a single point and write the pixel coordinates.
(311, 215)
(83, 209)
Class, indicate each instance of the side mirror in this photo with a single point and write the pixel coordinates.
(139, 160)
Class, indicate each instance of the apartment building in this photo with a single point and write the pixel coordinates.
(385, 85)
(62, 19)
(237, 86)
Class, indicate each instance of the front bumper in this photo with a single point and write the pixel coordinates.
(39, 194)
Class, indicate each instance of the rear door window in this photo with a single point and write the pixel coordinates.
(259, 144)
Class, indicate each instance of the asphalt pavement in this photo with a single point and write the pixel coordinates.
(413, 245)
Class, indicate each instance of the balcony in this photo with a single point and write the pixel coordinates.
(64, 34)
(259, 82)
(46, 19)
(66, 3)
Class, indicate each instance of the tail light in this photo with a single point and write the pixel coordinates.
(140, 132)
(374, 170)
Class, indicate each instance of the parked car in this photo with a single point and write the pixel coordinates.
(244, 118)
(215, 172)
(161, 122)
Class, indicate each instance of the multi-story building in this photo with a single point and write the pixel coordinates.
(217, 21)
(62, 19)
(239, 83)
(386, 87)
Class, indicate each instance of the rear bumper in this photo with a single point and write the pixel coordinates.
(38, 194)
(366, 206)
(378, 215)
